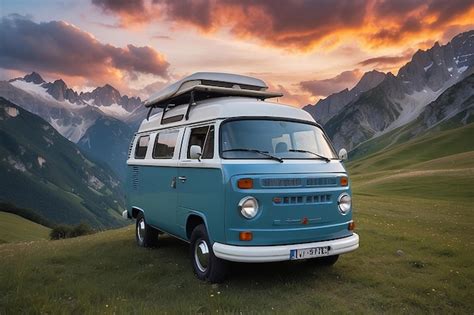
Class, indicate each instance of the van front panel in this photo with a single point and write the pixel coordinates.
(297, 203)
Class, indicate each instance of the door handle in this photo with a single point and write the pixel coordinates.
(173, 182)
(182, 178)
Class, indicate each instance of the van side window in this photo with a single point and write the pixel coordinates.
(142, 145)
(165, 142)
(203, 137)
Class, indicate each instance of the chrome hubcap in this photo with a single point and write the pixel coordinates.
(201, 255)
(141, 229)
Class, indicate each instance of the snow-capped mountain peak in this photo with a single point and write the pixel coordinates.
(69, 112)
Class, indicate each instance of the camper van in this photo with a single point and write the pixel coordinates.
(239, 178)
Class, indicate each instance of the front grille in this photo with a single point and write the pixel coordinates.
(301, 200)
(321, 181)
(299, 182)
(281, 182)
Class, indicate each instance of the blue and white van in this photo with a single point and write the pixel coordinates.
(238, 178)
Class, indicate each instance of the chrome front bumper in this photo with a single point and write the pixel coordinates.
(253, 254)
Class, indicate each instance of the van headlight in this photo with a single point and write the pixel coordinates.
(248, 207)
(344, 203)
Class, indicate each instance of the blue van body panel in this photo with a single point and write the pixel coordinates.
(202, 193)
(151, 191)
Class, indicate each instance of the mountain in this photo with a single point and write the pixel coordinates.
(400, 99)
(82, 117)
(42, 170)
(454, 108)
(455, 105)
(109, 101)
(65, 108)
(108, 140)
(326, 108)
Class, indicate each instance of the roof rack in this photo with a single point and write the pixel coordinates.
(206, 85)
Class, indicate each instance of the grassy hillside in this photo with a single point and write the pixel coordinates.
(14, 228)
(436, 166)
(107, 273)
(410, 153)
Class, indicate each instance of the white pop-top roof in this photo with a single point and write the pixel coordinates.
(222, 83)
(225, 107)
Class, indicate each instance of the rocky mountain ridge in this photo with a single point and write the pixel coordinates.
(399, 99)
(326, 108)
(105, 95)
(85, 118)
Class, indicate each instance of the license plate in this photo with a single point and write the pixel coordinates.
(305, 253)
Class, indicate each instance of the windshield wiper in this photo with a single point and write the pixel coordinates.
(276, 158)
(315, 154)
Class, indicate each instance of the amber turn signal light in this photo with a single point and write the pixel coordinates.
(351, 226)
(245, 236)
(344, 181)
(245, 183)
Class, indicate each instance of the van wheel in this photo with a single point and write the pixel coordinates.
(145, 235)
(206, 265)
(326, 261)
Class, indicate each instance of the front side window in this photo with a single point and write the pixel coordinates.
(264, 138)
(165, 142)
(141, 147)
(203, 137)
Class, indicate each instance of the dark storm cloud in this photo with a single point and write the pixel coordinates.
(58, 47)
(298, 24)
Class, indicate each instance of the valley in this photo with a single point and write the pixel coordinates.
(412, 208)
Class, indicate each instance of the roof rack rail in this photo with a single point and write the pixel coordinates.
(206, 85)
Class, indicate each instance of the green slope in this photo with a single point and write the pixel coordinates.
(418, 150)
(43, 171)
(14, 228)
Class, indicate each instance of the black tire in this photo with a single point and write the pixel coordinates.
(212, 269)
(145, 235)
(326, 261)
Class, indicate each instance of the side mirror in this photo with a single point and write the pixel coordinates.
(195, 152)
(343, 154)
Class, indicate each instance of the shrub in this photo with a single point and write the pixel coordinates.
(60, 232)
(63, 231)
(81, 229)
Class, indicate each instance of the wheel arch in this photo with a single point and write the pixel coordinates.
(194, 219)
(135, 211)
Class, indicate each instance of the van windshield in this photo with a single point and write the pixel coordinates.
(273, 139)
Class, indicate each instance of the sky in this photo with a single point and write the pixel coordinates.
(305, 49)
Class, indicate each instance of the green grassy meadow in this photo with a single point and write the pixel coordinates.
(414, 218)
(14, 228)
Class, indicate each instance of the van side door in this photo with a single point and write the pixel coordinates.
(161, 180)
(200, 187)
